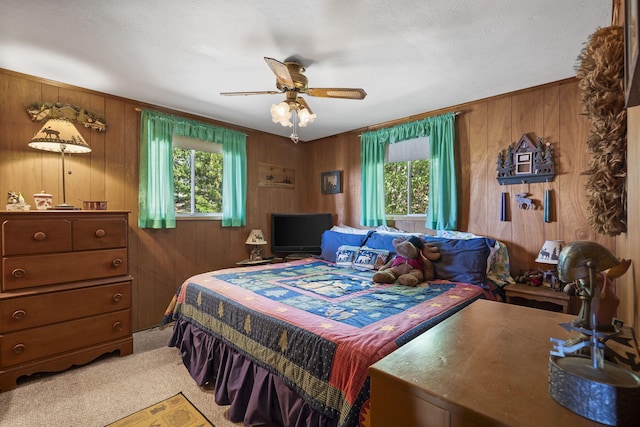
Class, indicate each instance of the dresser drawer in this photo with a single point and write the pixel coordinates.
(31, 311)
(32, 344)
(101, 233)
(29, 271)
(26, 236)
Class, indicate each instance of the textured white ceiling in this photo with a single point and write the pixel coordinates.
(410, 56)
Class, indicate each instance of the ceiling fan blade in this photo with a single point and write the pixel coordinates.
(337, 92)
(262, 92)
(282, 73)
(304, 104)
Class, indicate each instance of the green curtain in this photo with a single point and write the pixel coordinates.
(155, 194)
(442, 212)
(372, 180)
(234, 182)
(156, 203)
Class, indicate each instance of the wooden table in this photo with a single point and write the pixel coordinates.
(486, 365)
(542, 294)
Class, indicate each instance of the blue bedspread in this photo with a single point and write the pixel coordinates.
(317, 326)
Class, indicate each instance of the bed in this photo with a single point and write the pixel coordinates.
(290, 343)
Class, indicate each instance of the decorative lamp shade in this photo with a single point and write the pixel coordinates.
(281, 113)
(577, 258)
(305, 117)
(59, 136)
(256, 238)
(550, 251)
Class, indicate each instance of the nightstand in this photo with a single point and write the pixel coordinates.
(540, 297)
(248, 262)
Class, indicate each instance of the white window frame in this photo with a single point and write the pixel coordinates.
(408, 151)
(195, 144)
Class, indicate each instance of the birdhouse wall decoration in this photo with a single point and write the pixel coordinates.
(525, 162)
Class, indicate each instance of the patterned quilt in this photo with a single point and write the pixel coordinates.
(316, 325)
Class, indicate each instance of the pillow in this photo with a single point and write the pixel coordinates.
(332, 240)
(498, 261)
(452, 234)
(462, 260)
(499, 266)
(370, 259)
(345, 255)
(387, 228)
(384, 240)
(349, 230)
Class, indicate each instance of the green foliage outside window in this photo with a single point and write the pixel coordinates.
(405, 196)
(206, 190)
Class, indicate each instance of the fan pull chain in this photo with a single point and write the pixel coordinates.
(294, 135)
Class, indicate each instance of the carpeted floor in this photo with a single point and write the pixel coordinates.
(108, 389)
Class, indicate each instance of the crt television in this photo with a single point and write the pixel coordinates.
(298, 233)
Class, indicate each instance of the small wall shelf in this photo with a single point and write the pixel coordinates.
(525, 162)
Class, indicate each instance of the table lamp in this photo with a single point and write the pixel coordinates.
(579, 376)
(60, 136)
(549, 255)
(256, 238)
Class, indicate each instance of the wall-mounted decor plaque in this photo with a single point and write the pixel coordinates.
(525, 162)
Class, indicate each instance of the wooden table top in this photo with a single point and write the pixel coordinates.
(490, 359)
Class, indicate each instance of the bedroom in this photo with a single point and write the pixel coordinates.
(161, 259)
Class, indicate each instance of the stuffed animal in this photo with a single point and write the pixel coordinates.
(412, 263)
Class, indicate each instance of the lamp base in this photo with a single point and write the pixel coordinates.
(256, 254)
(65, 206)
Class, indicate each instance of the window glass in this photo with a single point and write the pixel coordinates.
(197, 173)
(406, 187)
(406, 177)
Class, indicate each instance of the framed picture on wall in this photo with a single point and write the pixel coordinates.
(331, 182)
(631, 48)
(276, 176)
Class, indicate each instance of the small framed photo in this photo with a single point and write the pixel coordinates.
(331, 182)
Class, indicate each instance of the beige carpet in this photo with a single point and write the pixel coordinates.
(108, 389)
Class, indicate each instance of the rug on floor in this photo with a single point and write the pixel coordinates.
(176, 411)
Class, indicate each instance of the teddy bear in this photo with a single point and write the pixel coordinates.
(412, 263)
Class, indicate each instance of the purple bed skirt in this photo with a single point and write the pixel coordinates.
(255, 396)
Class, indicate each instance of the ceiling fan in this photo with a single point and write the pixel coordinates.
(291, 81)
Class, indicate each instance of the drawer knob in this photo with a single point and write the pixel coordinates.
(117, 326)
(19, 348)
(39, 235)
(117, 297)
(100, 232)
(18, 273)
(19, 314)
(116, 262)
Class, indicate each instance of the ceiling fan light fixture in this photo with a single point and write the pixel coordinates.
(281, 113)
(291, 81)
(305, 117)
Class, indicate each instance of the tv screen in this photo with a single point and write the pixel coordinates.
(298, 233)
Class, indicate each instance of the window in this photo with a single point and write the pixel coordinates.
(406, 177)
(197, 175)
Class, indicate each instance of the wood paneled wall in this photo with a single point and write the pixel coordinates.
(483, 129)
(628, 244)
(159, 260)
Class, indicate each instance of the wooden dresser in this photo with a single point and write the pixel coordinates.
(486, 365)
(65, 291)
